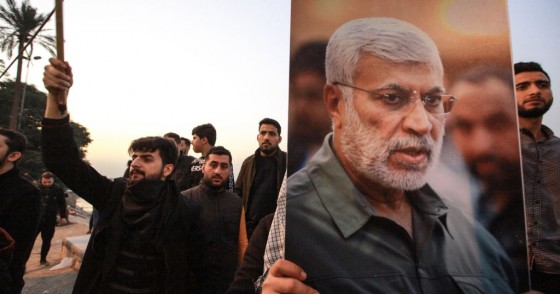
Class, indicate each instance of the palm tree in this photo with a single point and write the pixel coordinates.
(17, 26)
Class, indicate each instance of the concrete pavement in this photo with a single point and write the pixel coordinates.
(39, 279)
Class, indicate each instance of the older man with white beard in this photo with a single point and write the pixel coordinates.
(360, 216)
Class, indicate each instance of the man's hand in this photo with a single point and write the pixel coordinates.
(57, 76)
(286, 277)
(58, 79)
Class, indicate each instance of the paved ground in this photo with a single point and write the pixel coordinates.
(40, 279)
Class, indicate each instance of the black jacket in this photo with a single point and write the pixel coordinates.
(181, 243)
(20, 209)
(220, 217)
(54, 201)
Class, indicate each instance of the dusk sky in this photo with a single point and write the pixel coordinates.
(149, 67)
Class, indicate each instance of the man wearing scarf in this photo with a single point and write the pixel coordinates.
(147, 238)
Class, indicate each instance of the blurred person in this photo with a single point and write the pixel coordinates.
(483, 127)
(540, 153)
(54, 202)
(360, 216)
(20, 206)
(93, 220)
(309, 120)
(220, 217)
(185, 146)
(127, 170)
(147, 238)
(261, 174)
(204, 138)
(183, 164)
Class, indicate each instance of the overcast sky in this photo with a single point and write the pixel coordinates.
(144, 67)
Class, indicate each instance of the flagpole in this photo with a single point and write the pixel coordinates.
(61, 99)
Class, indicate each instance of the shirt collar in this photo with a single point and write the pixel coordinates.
(347, 206)
(546, 131)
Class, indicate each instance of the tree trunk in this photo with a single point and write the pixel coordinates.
(14, 116)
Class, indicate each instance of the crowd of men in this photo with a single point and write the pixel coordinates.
(360, 216)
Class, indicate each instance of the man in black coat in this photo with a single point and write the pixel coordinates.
(220, 217)
(54, 201)
(20, 205)
(146, 239)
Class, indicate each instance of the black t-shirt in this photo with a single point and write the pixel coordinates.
(264, 192)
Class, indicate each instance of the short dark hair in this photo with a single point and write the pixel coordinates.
(529, 66)
(309, 57)
(206, 131)
(175, 137)
(479, 74)
(187, 141)
(16, 141)
(167, 150)
(47, 175)
(219, 150)
(270, 121)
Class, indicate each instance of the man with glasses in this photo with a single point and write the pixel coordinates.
(540, 152)
(360, 217)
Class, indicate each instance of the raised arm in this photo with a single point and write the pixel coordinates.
(60, 152)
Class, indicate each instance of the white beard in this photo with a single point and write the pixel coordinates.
(369, 153)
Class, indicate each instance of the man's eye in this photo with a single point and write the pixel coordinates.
(521, 87)
(543, 85)
(393, 99)
(432, 100)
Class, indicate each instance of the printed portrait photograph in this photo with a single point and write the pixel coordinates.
(414, 99)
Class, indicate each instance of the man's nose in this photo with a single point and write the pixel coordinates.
(417, 120)
(482, 141)
(534, 89)
(135, 162)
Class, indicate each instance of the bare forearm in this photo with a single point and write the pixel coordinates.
(52, 110)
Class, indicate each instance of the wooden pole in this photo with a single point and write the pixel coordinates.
(61, 99)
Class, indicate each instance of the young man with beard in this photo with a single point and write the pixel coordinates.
(204, 138)
(220, 216)
(54, 202)
(146, 239)
(540, 152)
(360, 217)
(20, 207)
(261, 174)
